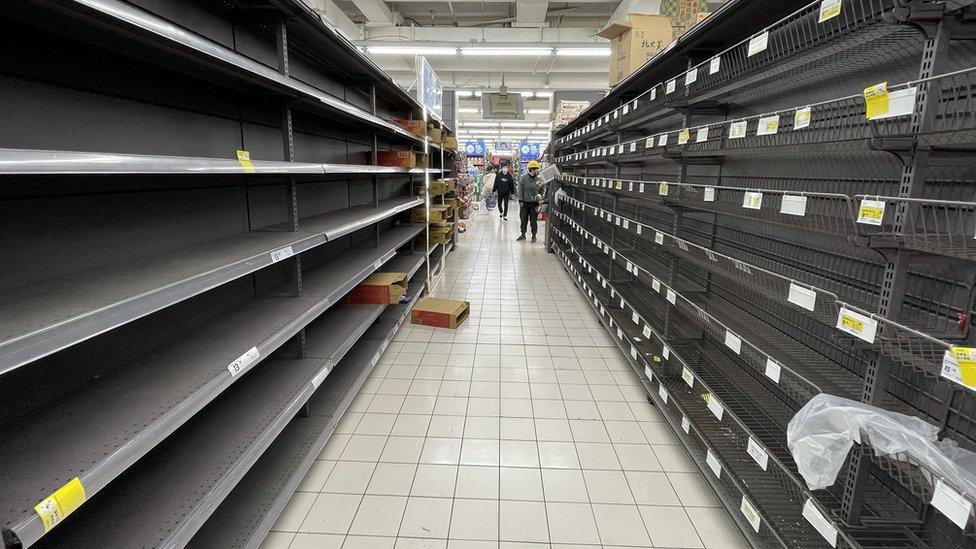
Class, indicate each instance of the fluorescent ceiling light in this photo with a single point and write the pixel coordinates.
(583, 52)
(538, 111)
(463, 93)
(410, 50)
(467, 110)
(519, 124)
(536, 52)
(543, 94)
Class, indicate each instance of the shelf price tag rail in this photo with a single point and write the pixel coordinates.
(799, 385)
(693, 431)
(906, 345)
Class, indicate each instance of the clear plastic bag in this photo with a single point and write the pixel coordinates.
(822, 433)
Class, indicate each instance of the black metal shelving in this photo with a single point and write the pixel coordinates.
(185, 201)
(746, 196)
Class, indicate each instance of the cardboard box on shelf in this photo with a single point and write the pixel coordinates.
(434, 133)
(450, 143)
(416, 127)
(634, 41)
(438, 214)
(441, 234)
(398, 159)
(440, 313)
(421, 161)
(684, 14)
(438, 187)
(380, 288)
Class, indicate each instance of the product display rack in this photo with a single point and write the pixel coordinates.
(185, 202)
(757, 230)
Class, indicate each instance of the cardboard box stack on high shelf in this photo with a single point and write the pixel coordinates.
(441, 210)
(634, 41)
(684, 14)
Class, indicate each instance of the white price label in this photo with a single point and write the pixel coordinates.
(801, 118)
(641, 188)
(804, 297)
(662, 140)
(659, 238)
(793, 205)
(714, 65)
(688, 377)
(709, 194)
(647, 372)
(670, 86)
(828, 10)
(647, 331)
(733, 342)
(634, 318)
(856, 324)
(663, 393)
(685, 424)
(283, 253)
(243, 361)
(702, 134)
(768, 125)
(691, 76)
(758, 453)
(737, 130)
(900, 103)
(752, 200)
(638, 227)
(758, 43)
(871, 212)
(750, 513)
(666, 352)
(714, 406)
(633, 148)
(671, 296)
(820, 522)
(653, 93)
(951, 504)
(656, 284)
(773, 370)
(626, 223)
(633, 352)
(713, 463)
(626, 109)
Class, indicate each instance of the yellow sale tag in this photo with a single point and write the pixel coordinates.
(876, 100)
(620, 185)
(662, 189)
(966, 359)
(829, 9)
(54, 508)
(244, 157)
(683, 136)
(852, 323)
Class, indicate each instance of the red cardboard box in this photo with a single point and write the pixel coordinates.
(397, 159)
(380, 288)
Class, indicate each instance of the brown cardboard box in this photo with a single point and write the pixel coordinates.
(398, 159)
(434, 133)
(442, 313)
(683, 14)
(380, 288)
(416, 127)
(438, 214)
(450, 143)
(441, 234)
(634, 41)
(421, 161)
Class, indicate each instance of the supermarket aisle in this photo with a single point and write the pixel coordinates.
(525, 425)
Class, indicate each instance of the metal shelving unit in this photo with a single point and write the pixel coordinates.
(743, 206)
(184, 203)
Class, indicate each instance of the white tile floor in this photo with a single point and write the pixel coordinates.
(524, 427)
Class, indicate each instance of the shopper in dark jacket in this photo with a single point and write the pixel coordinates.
(528, 196)
(504, 186)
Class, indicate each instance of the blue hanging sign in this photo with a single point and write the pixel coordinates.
(529, 150)
(475, 147)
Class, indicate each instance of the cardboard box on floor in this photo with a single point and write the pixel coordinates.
(441, 313)
(380, 288)
(633, 42)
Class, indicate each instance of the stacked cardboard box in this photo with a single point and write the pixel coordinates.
(634, 41)
(684, 14)
(401, 159)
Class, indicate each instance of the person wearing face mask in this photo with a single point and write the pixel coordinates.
(528, 196)
(504, 186)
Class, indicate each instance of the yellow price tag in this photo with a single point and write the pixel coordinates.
(620, 185)
(852, 323)
(54, 508)
(657, 358)
(683, 136)
(876, 99)
(662, 189)
(966, 359)
(870, 212)
(244, 157)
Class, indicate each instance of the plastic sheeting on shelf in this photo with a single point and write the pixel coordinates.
(822, 433)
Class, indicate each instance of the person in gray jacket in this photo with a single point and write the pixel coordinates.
(528, 195)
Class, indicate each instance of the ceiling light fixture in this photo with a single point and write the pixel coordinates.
(583, 52)
(538, 111)
(467, 110)
(410, 50)
(527, 52)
